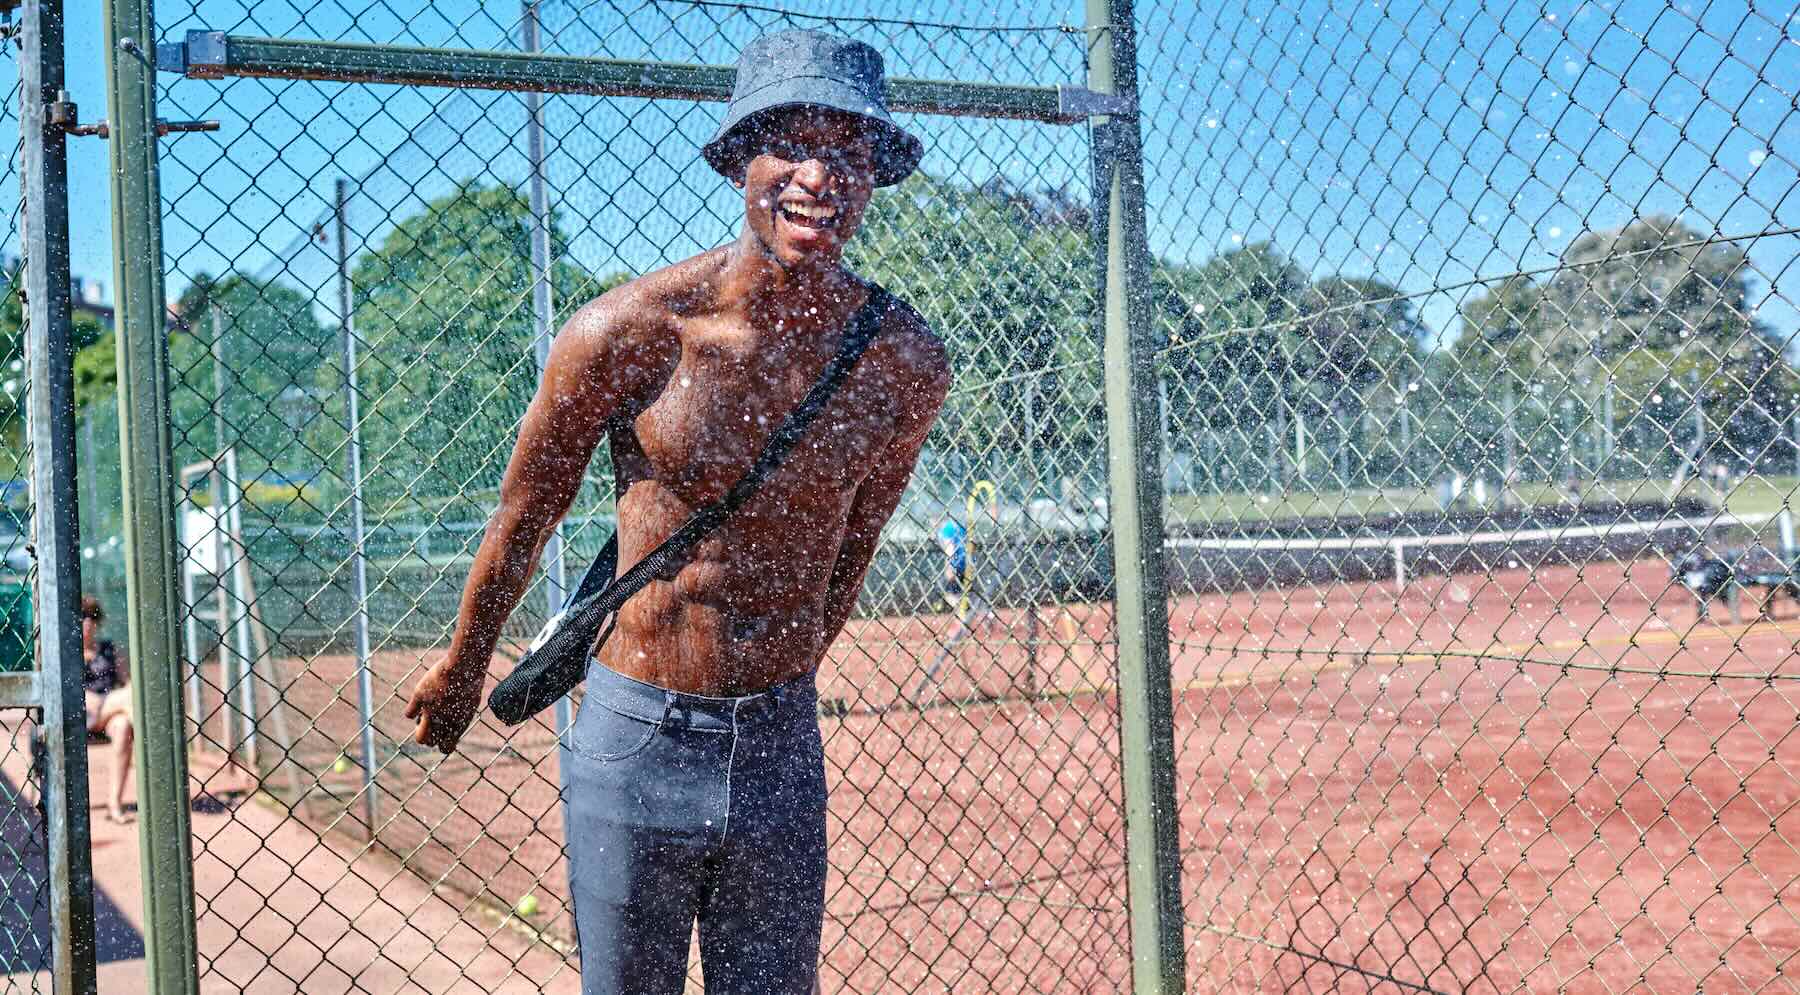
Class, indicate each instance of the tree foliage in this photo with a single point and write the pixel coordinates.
(1006, 276)
(1644, 318)
(85, 330)
(443, 311)
(264, 392)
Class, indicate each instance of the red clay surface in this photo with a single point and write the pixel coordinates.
(1432, 796)
(962, 835)
(1500, 821)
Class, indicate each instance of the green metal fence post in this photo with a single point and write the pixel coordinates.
(151, 548)
(1134, 461)
(50, 353)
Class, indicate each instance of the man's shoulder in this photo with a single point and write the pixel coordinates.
(643, 312)
(910, 341)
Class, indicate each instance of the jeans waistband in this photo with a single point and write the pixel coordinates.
(652, 703)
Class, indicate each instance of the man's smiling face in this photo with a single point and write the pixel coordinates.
(807, 183)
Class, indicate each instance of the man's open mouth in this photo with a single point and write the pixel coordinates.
(815, 216)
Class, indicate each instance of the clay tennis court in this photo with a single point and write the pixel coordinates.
(1446, 790)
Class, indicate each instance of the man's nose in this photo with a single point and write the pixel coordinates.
(814, 175)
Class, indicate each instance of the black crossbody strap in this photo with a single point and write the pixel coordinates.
(863, 328)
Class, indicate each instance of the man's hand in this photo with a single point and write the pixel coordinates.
(445, 703)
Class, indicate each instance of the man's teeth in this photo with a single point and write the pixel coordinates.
(817, 212)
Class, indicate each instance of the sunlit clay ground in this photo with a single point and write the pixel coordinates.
(1454, 789)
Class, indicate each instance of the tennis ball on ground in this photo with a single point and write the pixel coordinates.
(528, 906)
(340, 765)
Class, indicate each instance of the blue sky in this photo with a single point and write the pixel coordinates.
(1429, 146)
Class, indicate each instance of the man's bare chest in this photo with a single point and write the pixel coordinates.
(719, 407)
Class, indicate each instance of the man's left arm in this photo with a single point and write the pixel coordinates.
(923, 390)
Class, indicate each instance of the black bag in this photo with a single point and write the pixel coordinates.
(557, 659)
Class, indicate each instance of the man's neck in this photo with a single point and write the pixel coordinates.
(779, 299)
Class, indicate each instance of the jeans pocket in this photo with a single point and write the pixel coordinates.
(607, 735)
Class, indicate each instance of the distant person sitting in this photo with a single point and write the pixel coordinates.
(108, 701)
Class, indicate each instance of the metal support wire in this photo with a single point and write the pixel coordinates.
(50, 353)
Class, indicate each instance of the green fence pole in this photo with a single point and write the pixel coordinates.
(146, 466)
(50, 419)
(1134, 462)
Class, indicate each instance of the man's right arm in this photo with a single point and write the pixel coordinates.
(595, 364)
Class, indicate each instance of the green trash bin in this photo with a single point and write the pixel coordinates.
(15, 625)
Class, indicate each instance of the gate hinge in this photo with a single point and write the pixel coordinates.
(62, 114)
(194, 56)
(1076, 102)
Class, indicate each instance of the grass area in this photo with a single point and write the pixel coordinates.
(1221, 509)
(1761, 495)
(1755, 495)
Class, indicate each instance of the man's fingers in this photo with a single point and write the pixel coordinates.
(422, 734)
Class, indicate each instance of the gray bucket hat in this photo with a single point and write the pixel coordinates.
(808, 68)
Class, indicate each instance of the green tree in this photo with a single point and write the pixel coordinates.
(443, 312)
(85, 330)
(264, 393)
(1236, 338)
(1006, 277)
(1360, 356)
(1640, 319)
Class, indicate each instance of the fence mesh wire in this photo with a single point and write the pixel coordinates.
(24, 875)
(971, 744)
(1479, 446)
(25, 937)
(1480, 377)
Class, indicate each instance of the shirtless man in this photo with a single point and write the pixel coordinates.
(698, 788)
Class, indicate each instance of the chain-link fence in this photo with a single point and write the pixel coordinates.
(25, 936)
(1480, 388)
(24, 875)
(1479, 440)
(373, 864)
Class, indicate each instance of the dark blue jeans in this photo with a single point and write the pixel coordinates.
(685, 808)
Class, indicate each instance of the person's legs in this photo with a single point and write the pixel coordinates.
(760, 925)
(642, 787)
(119, 732)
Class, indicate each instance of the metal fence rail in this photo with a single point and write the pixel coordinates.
(1377, 427)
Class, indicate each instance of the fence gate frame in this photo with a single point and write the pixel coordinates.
(1107, 105)
(54, 687)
